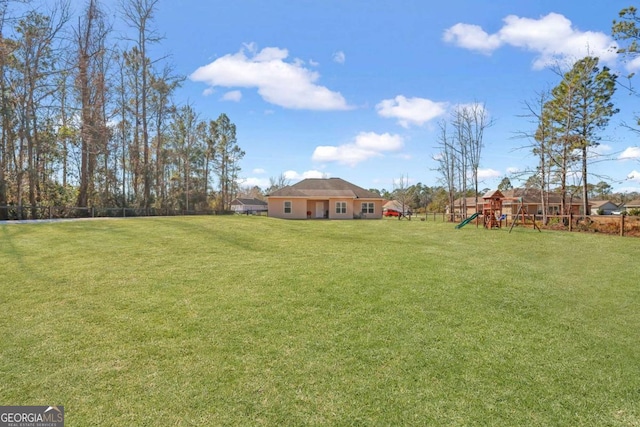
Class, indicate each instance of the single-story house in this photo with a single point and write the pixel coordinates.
(604, 206)
(632, 204)
(395, 207)
(528, 198)
(331, 198)
(468, 202)
(248, 205)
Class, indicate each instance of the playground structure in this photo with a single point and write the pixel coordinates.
(521, 213)
(492, 209)
(493, 216)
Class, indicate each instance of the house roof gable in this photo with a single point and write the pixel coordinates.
(531, 196)
(395, 205)
(600, 203)
(495, 194)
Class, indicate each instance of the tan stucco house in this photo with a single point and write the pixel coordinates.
(331, 198)
(527, 198)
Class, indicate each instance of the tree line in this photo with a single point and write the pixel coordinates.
(568, 120)
(89, 119)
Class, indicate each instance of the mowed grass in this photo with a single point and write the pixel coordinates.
(257, 321)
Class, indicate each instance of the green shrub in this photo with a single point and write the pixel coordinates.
(634, 212)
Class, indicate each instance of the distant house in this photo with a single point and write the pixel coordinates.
(527, 198)
(395, 208)
(602, 207)
(468, 203)
(331, 198)
(530, 200)
(632, 204)
(248, 206)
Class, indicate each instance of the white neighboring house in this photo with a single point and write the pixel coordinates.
(607, 207)
(395, 206)
(248, 206)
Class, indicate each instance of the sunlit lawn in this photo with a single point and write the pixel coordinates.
(257, 321)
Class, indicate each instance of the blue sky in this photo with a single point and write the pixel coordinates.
(355, 89)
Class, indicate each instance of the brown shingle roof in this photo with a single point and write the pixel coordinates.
(532, 196)
(325, 187)
(469, 201)
(395, 205)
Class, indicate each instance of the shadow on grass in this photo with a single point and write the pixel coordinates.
(10, 250)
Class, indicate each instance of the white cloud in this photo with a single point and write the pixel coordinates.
(472, 37)
(513, 169)
(253, 181)
(488, 173)
(634, 176)
(258, 171)
(208, 91)
(634, 64)
(628, 189)
(287, 84)
(411, 111)
(552, 37)
(365, 146)
(599, 150)
(295, 176)
(339, 57)
(631, 153)
(234, 95)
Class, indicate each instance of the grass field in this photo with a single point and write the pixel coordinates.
(256, 321)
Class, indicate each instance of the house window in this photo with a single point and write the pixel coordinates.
(287, 207)
(367, 208)
(341, 207)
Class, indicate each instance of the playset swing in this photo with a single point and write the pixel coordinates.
(492, 212)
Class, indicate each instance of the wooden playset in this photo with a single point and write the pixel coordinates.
(492, 212)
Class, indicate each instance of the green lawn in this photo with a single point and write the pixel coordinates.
(255, 321)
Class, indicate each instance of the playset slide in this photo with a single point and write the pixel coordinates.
(468, 220)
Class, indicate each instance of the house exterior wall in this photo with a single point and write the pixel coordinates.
(301, 208)
(312, 209)
(298, 208)
(536, 209)
(250, 208)
(377, 208)
(348, 203)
